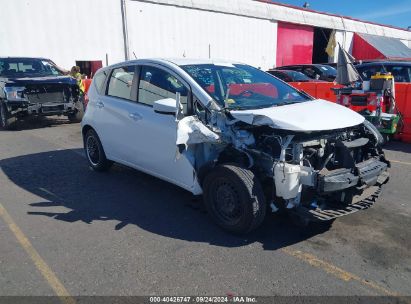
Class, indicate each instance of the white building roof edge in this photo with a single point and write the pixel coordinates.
(275, 12)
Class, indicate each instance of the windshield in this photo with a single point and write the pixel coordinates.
(237, 86)
(297, 76)
(27, 67)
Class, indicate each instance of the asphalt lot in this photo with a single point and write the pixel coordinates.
(65, 229)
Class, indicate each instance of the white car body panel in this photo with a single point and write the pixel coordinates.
(134, 135)
(314, 115)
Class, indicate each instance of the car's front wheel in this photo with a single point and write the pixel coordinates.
(7, 122)
(234, 198)
(95, 153)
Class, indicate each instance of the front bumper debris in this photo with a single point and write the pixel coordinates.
(334, 210)
(366, 172)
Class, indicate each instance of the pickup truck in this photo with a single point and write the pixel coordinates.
(36, 86)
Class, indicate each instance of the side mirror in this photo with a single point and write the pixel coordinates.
(165, 106)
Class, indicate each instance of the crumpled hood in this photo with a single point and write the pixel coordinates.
(314, 115)
(42, 80)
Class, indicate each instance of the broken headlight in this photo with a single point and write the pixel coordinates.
(15, 93)
(374, 131)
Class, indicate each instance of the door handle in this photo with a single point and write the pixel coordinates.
(135, 116)
(100, 105)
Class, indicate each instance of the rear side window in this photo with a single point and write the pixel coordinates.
(282, 76)
(156, 84)
(99, 80)
(121, 82)
(310, 72)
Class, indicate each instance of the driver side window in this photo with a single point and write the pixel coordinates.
(156, 84)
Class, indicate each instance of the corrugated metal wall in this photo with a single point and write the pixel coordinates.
(243, 30)
(62, 30)
(169, 31)
(271, 11)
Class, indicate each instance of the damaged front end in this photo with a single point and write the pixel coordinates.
(321, 175)
(44, 99)
(318, 175)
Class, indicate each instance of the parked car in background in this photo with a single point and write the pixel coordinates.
(314, 71)
(291, 76)
(242, 138)
(401, 70)
(36, 86)
(331, 64)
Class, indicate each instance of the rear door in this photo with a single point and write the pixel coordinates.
(112, 112)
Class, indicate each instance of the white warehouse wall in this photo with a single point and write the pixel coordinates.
(156, 30)
(62, 30)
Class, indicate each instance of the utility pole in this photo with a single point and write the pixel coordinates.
(125, 30)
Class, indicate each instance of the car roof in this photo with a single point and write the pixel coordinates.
(304, 64)
(40, 58)
(286, 71)
(175, 61)
(388, 63)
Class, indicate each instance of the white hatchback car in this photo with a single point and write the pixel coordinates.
(244, 139)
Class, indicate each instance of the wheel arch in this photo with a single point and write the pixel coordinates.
(229, 156)
(85, 129)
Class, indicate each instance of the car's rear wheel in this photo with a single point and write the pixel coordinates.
(234, 198)
(78, 114)
(95, 153)
(7, 122)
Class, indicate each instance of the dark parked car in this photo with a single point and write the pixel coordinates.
(401, 70)
(36, 86)
(314, 71)
(291, 76)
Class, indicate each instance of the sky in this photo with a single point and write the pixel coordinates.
(394, 12)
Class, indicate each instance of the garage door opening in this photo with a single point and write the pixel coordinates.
(321, 37)
(89, 68)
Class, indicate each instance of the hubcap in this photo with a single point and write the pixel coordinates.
(93, 152)
(227, 203)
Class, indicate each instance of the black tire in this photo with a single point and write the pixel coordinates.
(7, 122)
(95, 153)
(234, 198)
(77, 116)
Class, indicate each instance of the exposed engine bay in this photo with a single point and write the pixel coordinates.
(47, 99)
(323, 174)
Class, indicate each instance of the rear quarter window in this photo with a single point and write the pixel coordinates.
(99, 81)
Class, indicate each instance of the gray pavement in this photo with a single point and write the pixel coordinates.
(126, 233)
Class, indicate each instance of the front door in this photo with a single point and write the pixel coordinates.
(154, 134)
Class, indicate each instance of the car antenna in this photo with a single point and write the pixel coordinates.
(134, 55)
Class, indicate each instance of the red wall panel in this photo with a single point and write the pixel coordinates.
(294, 44)
(362, 50)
